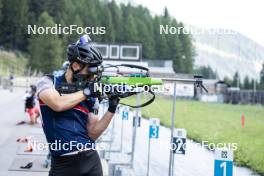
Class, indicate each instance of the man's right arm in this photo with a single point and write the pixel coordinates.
(50, 96)
(59, 103)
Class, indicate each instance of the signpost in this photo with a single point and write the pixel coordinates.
(171, 162)
(137, 120)
(197, 81)
(125, 113)
(134, 132)
(179, 141)
(223, 164)
(154, 124)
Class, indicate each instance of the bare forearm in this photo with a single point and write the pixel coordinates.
(96, 129)
(68, 101)
(61, 103)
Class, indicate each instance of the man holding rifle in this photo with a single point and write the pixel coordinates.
(69, 123)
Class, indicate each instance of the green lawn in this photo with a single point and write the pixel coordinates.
(217, 123)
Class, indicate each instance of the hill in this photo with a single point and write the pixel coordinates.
(228, 53)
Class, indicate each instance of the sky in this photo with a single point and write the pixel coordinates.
(243, 16)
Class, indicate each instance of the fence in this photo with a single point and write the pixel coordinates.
(244, 97)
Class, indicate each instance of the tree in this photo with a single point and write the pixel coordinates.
(253, 84)
(107, 22)
(175, 48)
(45, 50)
(187, 50)
(145, 38)
(161, 46)
(14, 24)
(261, 83)
(56, 9)
(206, 72)
(36, 8)
(144, 25)
(236, 80)
(116, 15)
(1, 6)
(227, 80)
(166, 13)
(246, 84)
(129, 32)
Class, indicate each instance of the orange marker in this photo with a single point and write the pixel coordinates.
(243, 121)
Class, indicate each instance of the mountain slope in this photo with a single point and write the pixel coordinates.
(228, 53)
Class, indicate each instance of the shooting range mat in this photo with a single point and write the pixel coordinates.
(40, 138)
(38, 164)
(36, 151)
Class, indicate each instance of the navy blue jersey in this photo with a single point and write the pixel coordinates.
(66, 128)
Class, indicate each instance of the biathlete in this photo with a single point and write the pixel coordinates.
(69, 122)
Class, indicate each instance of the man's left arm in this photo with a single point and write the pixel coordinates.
(96, 127)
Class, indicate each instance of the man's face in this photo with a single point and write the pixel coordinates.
(76, 66)
(84, 71)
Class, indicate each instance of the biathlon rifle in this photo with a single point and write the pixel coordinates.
(118, 83)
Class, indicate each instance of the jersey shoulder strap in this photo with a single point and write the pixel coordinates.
(52, 77)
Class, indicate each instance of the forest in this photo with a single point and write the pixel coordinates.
(122, 23)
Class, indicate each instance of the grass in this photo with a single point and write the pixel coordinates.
(217, 123)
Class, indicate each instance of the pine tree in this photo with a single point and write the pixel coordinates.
(261, 83)
(45, 49)
(175, 51)
(253, 84)
(166, 13)
(227, 80)
(145, 39)
(97, 17)
(246, 84)
(71, 38)
(71, 18)
(187, 50)
(56, 9)
(1, 9)
(206, 72)
(161, 46)
(36, 8)
(236, 80)
(107, 22)
(14, 24)
(144, 26)
(116, 15)
(129, 31)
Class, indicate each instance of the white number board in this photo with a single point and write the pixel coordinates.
(154, 128)
(179, 141)
(223, 164)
